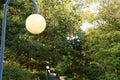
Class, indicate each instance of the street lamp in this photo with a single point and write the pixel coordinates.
(47, 67)
(35, 24)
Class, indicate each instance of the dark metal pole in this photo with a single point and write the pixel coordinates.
(47, 74)
(4, 33)
(3, 37)
(35, 6)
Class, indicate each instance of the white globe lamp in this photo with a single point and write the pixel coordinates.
(35, 23)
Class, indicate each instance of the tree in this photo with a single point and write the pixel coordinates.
(34, 52)
(102, 43)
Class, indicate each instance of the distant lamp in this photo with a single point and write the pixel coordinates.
(47, 67)
(35, 23)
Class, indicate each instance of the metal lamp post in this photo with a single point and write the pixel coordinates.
(41, 22)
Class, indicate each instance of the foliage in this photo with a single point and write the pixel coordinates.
(13, 72)
(102, 44)
(90, 55)
(34, 52)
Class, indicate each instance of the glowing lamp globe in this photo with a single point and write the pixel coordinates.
(35, 23)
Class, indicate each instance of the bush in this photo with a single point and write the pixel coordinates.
(13, 72)
(40, 76)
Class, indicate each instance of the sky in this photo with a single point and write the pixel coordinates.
(93, 9)
(86, 25)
